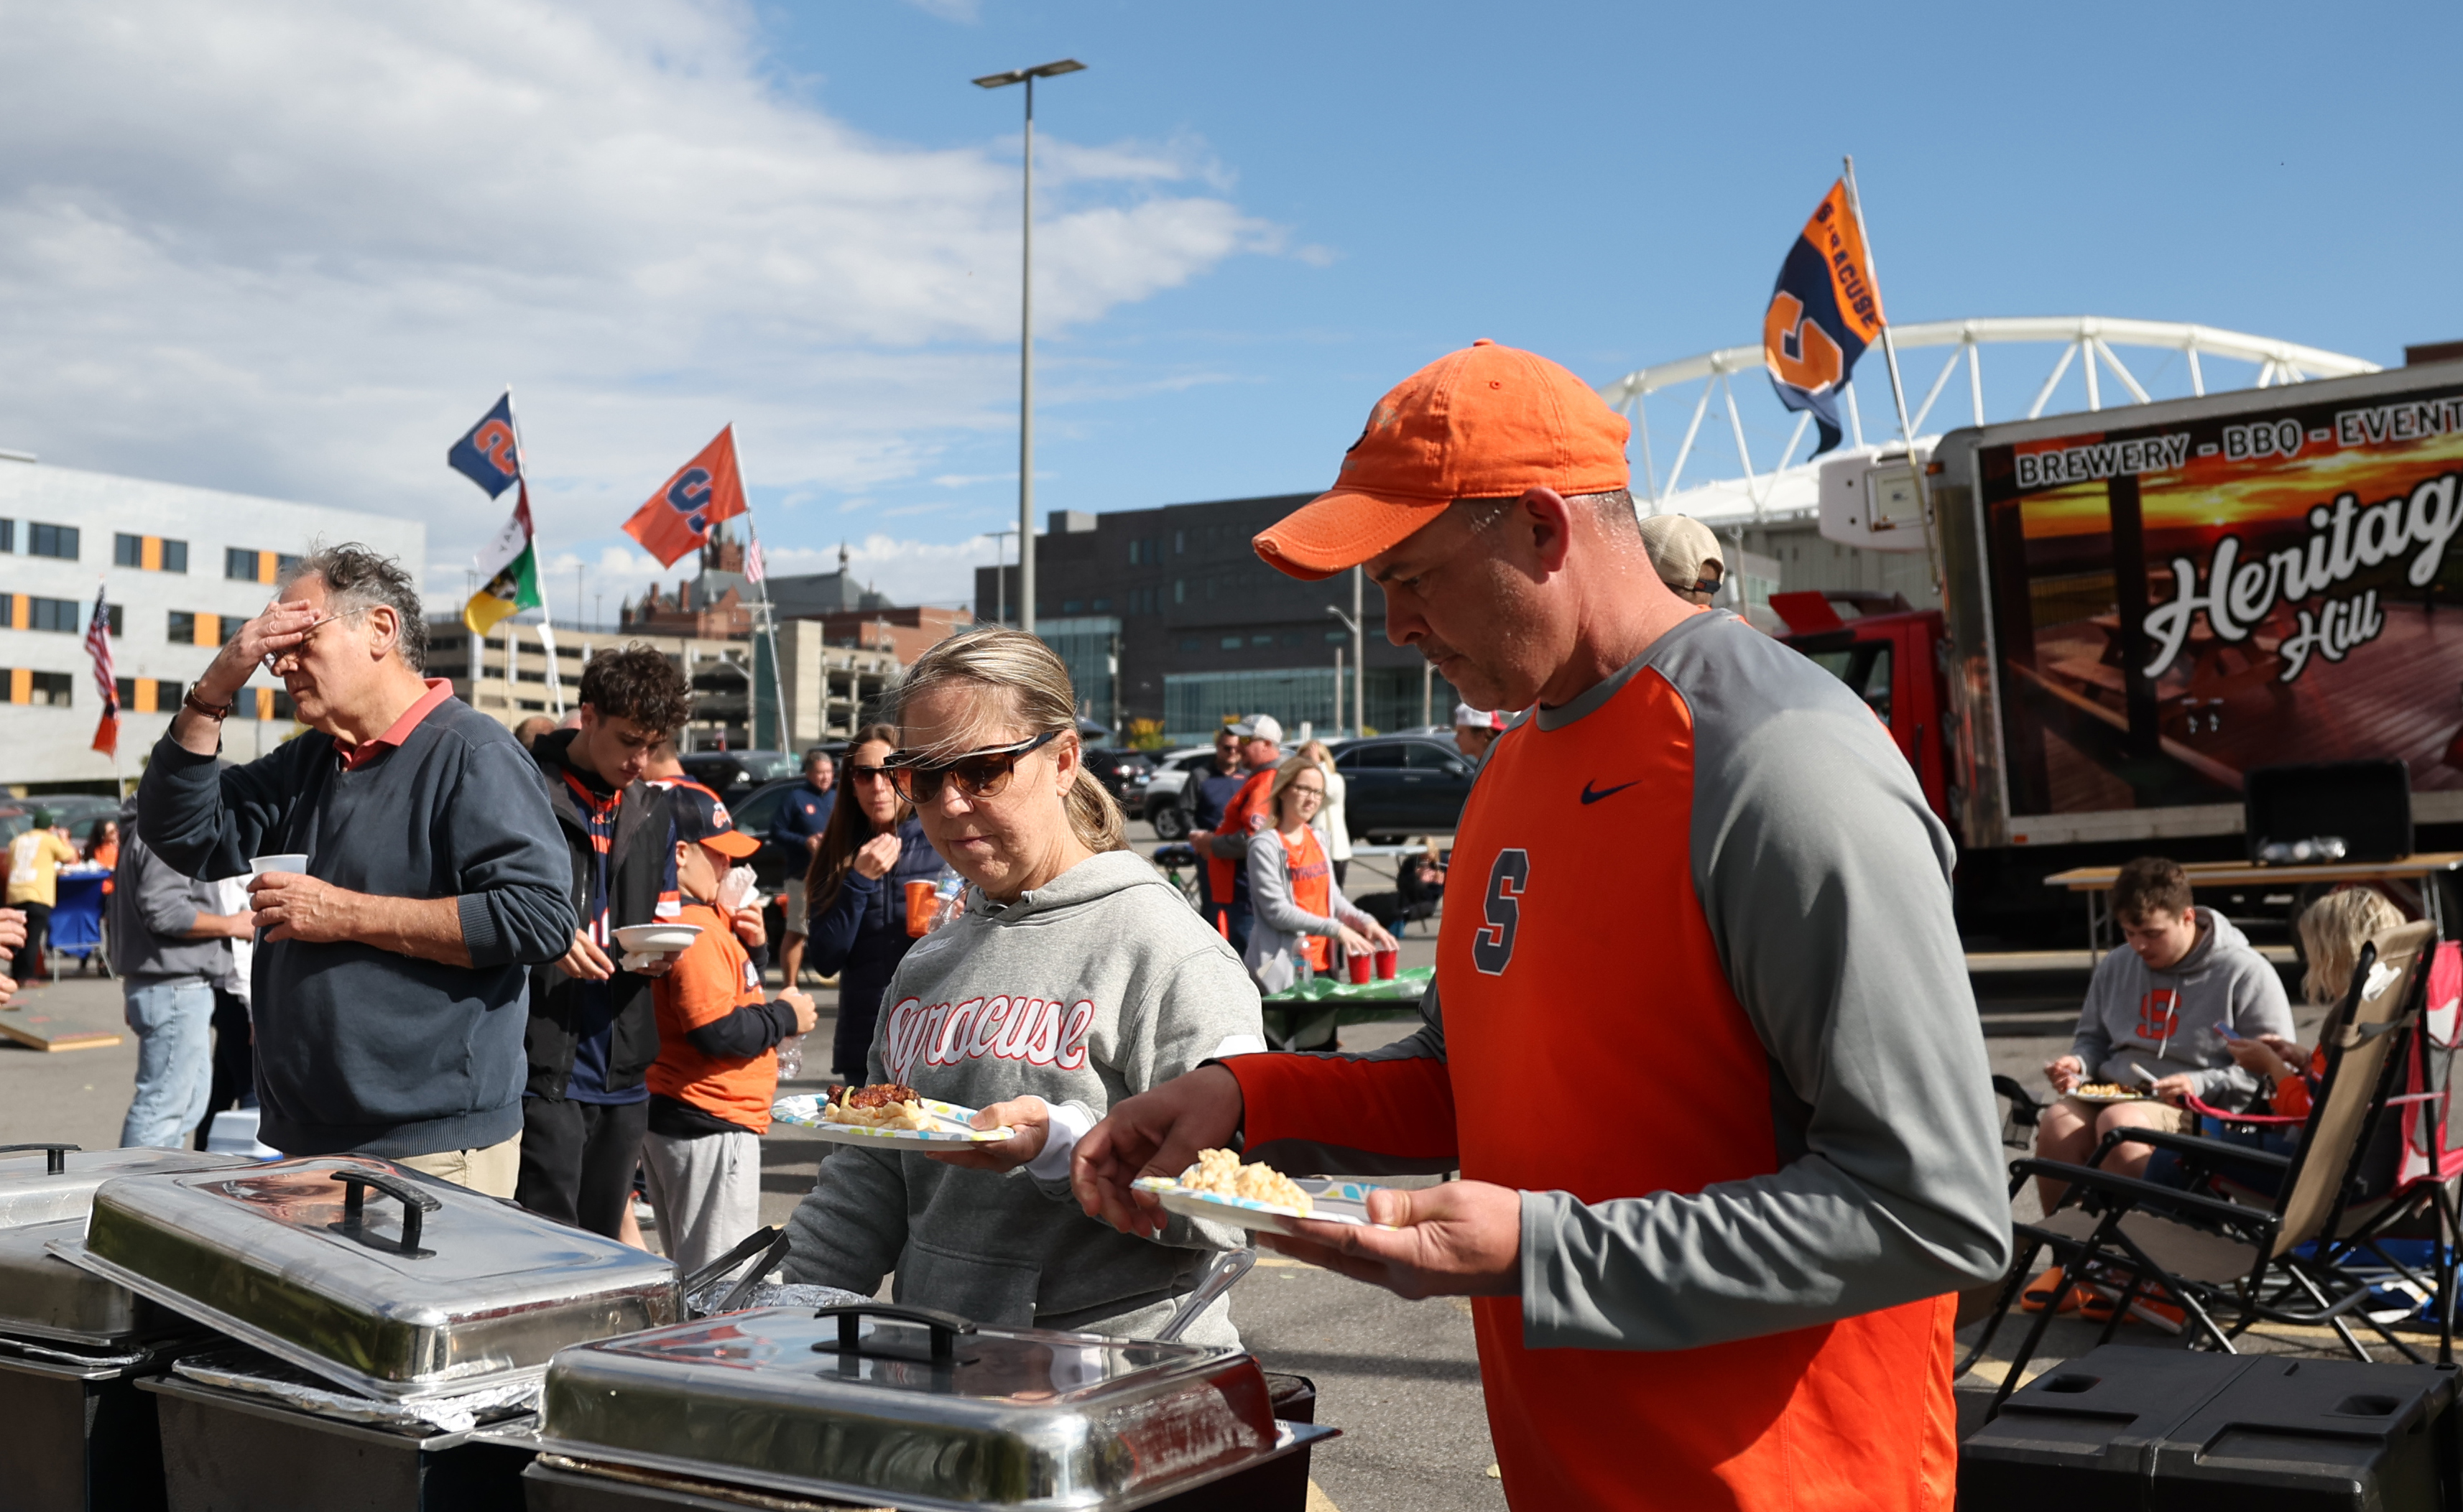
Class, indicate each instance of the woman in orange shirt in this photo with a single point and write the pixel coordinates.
(1297, 908)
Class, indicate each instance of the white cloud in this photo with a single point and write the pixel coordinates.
(294, 248)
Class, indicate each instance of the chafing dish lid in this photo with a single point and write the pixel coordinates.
(370, 1274)
(916, 1351)
(45, 1183)
(910, 1402)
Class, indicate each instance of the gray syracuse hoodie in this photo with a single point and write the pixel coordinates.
(2165, 1020)
(1085, 991)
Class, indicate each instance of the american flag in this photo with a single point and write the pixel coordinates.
(98, 645)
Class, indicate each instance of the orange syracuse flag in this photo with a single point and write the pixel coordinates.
(702, 492)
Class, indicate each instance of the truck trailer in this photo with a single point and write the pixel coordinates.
(2144, 606)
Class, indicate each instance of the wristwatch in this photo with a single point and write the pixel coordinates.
(216, 712)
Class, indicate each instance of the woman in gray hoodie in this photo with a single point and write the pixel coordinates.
(1074, 978)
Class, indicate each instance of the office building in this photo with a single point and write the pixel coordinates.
(1169, 615)
(831, 690)
(181, 568)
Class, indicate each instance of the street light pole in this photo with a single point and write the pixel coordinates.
(1353, 625)
(1359, 660)
(1026, 337)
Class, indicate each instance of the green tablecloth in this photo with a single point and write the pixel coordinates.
(1405, 988)
(1306, 1017)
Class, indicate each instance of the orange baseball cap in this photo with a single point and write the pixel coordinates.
(1485, 422)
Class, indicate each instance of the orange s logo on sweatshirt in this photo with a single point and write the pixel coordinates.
(2159, 1015)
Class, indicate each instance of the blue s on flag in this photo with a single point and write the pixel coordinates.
(1822, 315)
(488, 455)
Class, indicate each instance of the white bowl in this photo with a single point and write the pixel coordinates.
(259, 865)
(657, 939)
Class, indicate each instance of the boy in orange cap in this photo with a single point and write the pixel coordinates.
(1724, 1282)
(717, 1069)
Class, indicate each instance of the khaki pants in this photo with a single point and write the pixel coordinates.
(493, 1172)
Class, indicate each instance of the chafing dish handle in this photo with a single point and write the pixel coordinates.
(56, 1157)
(414, 1201)
(943, 1327)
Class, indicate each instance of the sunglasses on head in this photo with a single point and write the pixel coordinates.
(978, 773)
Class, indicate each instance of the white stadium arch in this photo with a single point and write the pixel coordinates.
(1739, 491)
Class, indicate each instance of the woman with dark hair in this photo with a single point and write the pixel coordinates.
(871, 849)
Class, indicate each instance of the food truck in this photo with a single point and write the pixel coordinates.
(2144, 605)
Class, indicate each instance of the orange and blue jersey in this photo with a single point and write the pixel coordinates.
(1699, 998)
(599, 808)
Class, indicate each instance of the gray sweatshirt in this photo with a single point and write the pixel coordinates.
(152, 910)
(2165, 1021)
(1085, 991)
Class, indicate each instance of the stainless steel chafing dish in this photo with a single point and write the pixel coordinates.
(388, 1283)
(879, 1403)
(45, 1190)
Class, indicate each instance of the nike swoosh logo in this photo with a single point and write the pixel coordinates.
(1590, 797)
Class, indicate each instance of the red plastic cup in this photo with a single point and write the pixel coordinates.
(1359, 964)
(920, 896)
(1389, 962)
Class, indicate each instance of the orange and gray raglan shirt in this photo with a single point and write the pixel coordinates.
(1704, 1005)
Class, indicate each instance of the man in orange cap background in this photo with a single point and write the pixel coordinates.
(1724, 1282)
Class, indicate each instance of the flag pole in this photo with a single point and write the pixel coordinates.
(1897, 394)
(538, 572)
(769, 615)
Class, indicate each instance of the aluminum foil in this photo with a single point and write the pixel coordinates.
(53, 1354)
(260, 1375)
(769, 1294)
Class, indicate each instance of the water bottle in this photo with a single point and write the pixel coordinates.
(949, 890)
(791, 1058)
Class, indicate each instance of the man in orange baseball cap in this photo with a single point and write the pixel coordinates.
(1697, 899)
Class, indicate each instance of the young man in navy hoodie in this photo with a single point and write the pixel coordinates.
(390, 973)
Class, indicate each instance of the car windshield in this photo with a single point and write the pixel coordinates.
(754, 813)
(768, 765)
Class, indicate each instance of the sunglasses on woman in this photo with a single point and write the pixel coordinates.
(978, 773)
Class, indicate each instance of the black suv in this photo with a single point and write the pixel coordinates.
(1119, 768)
(1402, 784)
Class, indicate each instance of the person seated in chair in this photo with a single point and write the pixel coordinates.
(2333, 929)
(2152, 1014)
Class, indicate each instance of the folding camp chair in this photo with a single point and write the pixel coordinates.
(2205, 1252)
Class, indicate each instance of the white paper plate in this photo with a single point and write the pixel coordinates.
(804, 1112)
(657, 939)
(1330, 1201)
(2104, 1099)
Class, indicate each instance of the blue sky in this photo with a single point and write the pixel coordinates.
(1264, 215)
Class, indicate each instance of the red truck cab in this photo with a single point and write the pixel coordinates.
(1889, 655)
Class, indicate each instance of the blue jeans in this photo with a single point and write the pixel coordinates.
(175, 1062)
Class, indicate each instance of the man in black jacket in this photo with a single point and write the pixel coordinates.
(593, 1030)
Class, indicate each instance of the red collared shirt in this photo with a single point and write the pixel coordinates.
(355, 757)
